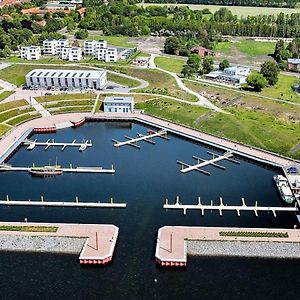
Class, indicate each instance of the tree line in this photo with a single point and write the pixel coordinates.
(262, 3)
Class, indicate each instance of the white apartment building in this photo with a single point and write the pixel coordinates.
(90, 46)
(52, 46)
(107, 54)
(30, 52)
(68, 79)
(71, 53)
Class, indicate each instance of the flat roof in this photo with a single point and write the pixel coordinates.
(111, 99)
(66, 73)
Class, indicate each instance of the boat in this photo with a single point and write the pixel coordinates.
(83, 147)
(284, 189)
(45, 171)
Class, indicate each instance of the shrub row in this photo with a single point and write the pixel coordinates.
(254, 234)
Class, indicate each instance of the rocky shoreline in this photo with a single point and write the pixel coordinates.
(244, 249)
(69, 245)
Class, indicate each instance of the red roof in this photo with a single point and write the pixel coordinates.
(12, 2)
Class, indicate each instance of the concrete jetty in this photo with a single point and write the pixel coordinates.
(147, 138)
(31, 144)
(172, 243)
(98, 248)
(185, 168)
(44, 203)
(221, 207)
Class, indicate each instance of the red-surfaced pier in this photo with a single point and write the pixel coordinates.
(171, 246)
(100, 240)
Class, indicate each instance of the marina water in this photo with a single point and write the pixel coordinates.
(143, 179)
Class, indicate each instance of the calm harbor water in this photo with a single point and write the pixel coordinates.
(143, 179)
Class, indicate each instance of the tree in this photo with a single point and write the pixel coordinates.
(187, 71)
(172, 45)
(194, 62)
(81, 34)
(257, 81)
(279, 47)
(207, 64)
(269, 70)
(224, 64)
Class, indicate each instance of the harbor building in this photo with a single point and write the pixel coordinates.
(30, 52)
(68, 79)
(52, 46)
(71, 53)
(118, 104)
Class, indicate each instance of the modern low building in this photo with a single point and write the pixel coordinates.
(293, 64)
(71, 53)
(118, 104)
(53, 47)
(68, 79)
(30, 52)
(236, 75)
(201, 51)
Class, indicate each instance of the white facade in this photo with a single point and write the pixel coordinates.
(52, 47)
(90, 46)
(30, 52)
(71, 53)
(107, 54)
(118, 104)
(67, 79)
(237, 71)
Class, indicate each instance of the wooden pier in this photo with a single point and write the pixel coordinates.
(202, 163)
(71, 169)
(141, 137)
(31, 144)
(44, 203)
(221, 207)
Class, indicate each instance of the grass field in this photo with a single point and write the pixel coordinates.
(12, 104)
(283, 89)
(69, 103)
(236, 10)
(61, 97)
(23, 118)
(169, 64)
(3, 129)
(253, 127)
(5, 94)
(159, 83)
(29, 228)
(122, 80)
(67, 109)
(119, 41)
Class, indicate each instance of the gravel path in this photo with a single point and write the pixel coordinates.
(41, 244)
(244, 249)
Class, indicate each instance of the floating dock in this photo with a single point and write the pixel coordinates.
(221, 207)
(98, 249)
(44, 203)
(31, 144)
(172, 241)
(71, 169)
(185, 168)
(140, 137)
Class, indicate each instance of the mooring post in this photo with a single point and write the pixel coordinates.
(177, 200)
(7, 198)
(42, 198)
(97, 240)
(167, 201)
(211, 202)
(76, 199)
(111, 200)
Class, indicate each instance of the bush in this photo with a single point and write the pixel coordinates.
(254, 234)
(81, 34)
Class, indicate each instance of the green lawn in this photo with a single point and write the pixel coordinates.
(29, 228)
(61, 97)
(69, 103)
(254, 48)
(122, 80)
(5, 94)
(172, 110)
(3, 129)
(13, 113)
(283, 89)
(119, 41)
(21, 119)
(12, 104)
(67, 109)
(236, 10)
(169, 64)
(256, 128)
(159, 83)
(224, 47)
